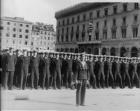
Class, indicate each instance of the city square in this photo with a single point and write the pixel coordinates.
(70, 55)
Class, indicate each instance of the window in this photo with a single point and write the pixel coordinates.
(26, 36)
(14, 35)
(77, 33)
(89, 38)
(124, 20)
(98, 13)
(114, 9)
(20, 30)
(97, 35)
(67, 21)
(123, 32)
(105, 34)
(106, 12)
(20, 36)
(97, 25)
(73, 20)
(135, 32)
(114, 22)
(48, 38)
(27, 25)
(124, 7)
(135, 18)
(67, 35)
(7, 34)
(59, 23)
(21, 25)
(26, 43)
(71, 33)
(14, 29)
(105, 23)
(26, 31)
(84, 17)
(8, 23)
(90, 15)
(63, 22)
(78, 18)
(113, 34)
(136, 5)
(13, 42)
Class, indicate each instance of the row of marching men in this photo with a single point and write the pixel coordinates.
(32, 69)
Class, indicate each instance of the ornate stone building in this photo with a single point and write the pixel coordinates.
(115, 29)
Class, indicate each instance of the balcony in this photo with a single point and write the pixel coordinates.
(89, 42)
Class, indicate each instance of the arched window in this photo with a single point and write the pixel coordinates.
(104, 51)
(123, 52)
(134, 52)
(112, 51)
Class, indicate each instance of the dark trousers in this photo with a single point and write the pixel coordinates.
(92, 82)
(23, 80)
(8, 79)
(126, 75)
(80, 93)
(110, 74)
(69, 79)
(135, 75)
(57, 73)
(101, 74)
(46, 79)
(117, 74)
(34, 73)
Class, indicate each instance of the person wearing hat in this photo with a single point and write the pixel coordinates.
(10, 68)
(46, 71)
(57, 69)
(109, 71)
(101, 73)
(117, 71)
(135, 75)
(82, 79)
(34, 70)
(91, 65)
(125, 72)
(75, 68)
(64, 70)
(25, 69)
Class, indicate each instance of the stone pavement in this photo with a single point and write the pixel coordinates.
(64, 99)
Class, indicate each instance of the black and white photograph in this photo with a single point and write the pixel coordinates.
(63, 55)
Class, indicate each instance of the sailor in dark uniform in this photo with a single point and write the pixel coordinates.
(126, 72)
(34, 70)
(82, 79)
(92, 77)
(26, 61)
(58, 65)
(109, 72)
(46, 71)
(69, 70)
(101, 73)
(10, 68)
(117, 71)
(134, 72)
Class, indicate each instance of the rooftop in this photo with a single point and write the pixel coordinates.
(80, 8)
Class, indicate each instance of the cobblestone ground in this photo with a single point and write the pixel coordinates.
(64, 99)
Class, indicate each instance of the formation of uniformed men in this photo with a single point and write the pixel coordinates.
(32, 69)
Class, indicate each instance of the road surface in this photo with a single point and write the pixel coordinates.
(64, 99)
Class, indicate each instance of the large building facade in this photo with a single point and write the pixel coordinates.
(100, 28)
(15, 33)
(18, 33)
(43, 37)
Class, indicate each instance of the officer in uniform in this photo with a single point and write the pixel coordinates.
(82, 79)
(117, 71)
(34, 70)
(109, 73)
(10, 68)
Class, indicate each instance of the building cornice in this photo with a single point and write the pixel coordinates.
(80, 8)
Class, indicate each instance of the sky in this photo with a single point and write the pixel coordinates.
(37, 10)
